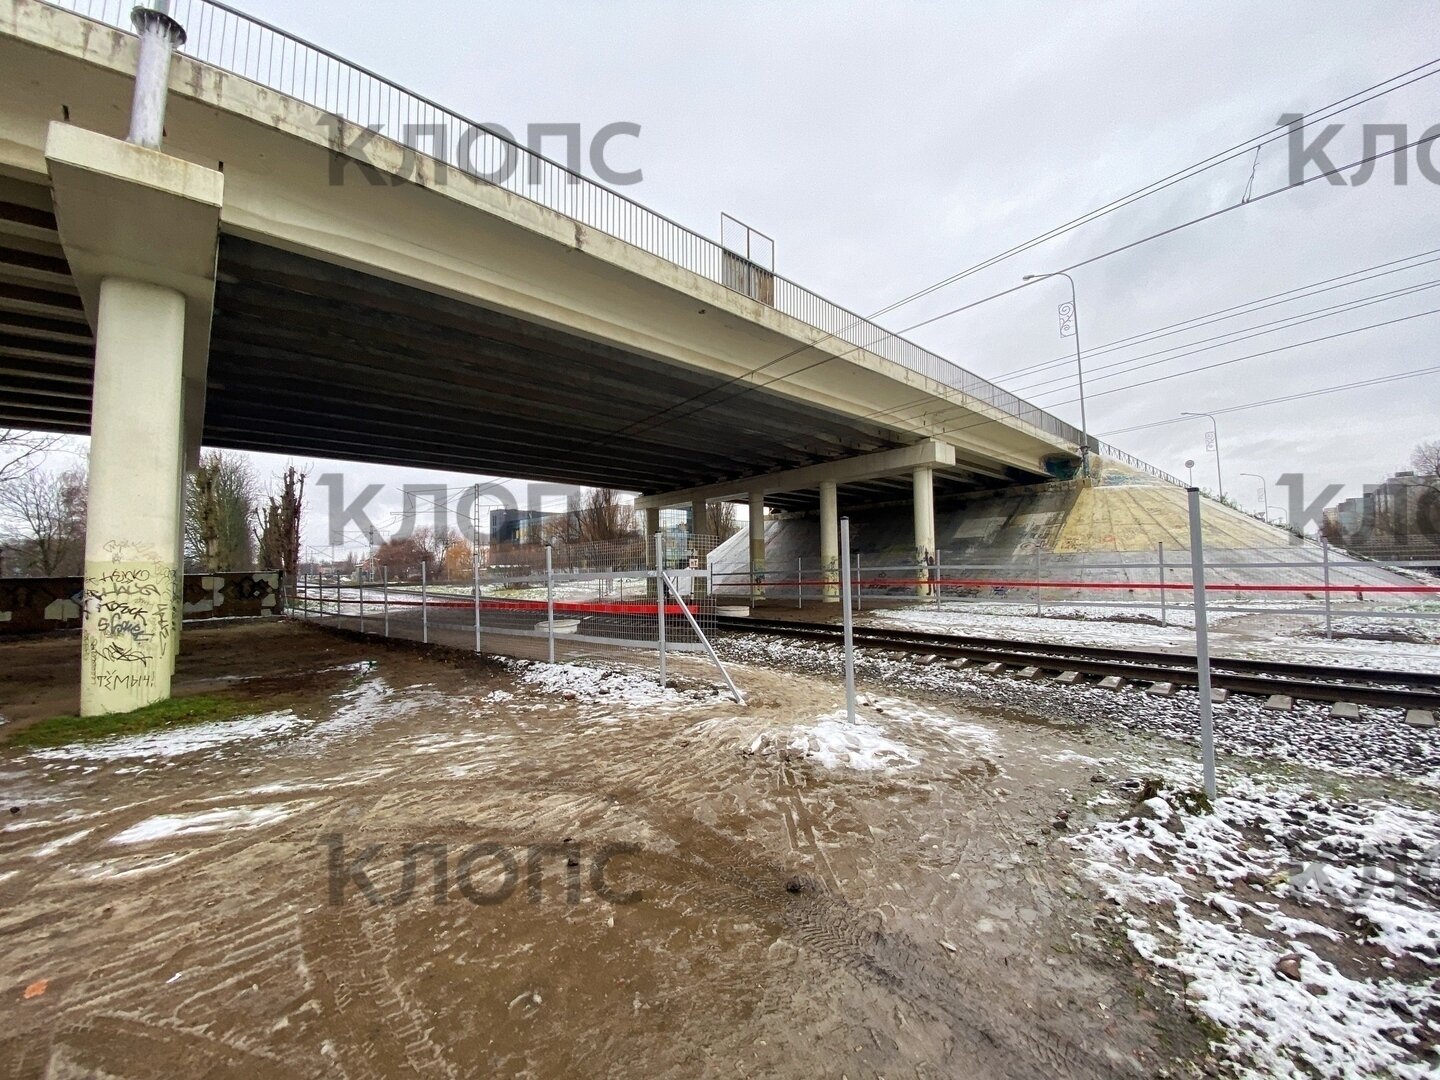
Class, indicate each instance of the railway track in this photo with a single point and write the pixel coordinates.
(1300, 682)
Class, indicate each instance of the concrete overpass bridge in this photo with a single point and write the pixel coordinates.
(178, 265)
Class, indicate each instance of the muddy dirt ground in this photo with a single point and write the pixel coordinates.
(185, 905)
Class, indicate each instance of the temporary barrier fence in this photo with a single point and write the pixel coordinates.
(559, 601)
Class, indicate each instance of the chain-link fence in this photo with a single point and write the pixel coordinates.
(557, 601)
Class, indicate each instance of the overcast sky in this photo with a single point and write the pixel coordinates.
(887, 146)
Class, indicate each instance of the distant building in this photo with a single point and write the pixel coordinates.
(1402, 512)
(520, 527)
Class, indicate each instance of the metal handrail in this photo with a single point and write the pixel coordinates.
(225, 38)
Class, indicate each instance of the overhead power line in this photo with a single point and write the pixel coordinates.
(982, 421)
(1413, 75)
(1117, 368)
(1235, 311)
(1357, 384)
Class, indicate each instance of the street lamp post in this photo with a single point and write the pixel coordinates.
(1215, 431)
(1079, 367)
(1264, 491)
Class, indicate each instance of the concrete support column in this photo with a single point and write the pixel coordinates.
(829, 542)
(757, 547)
(925, 554)
(699, 526)
(652, 526)
(131, 630)
(179, 539)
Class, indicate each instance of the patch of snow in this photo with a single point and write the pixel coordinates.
(131, 866)
(176, 741)
(833, 742)
(56, 846)
(591, 685)
(164, 826)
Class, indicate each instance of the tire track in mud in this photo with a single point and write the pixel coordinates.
(798, 825)
(123, 1045)
(351, 953)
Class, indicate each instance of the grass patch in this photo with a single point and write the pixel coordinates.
(177, 712)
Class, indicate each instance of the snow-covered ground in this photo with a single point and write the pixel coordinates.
(1361, 638)
(1305, 926)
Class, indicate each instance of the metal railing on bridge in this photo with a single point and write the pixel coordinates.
(225, 38)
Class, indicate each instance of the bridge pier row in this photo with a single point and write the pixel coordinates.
(829, 542)
(925, 554)
(140, 231)
(757, 546)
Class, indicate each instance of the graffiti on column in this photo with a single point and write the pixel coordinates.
(130, 617)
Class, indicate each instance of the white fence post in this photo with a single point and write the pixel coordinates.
(1325, 560)
(660, 601)
(385, 597)
(1202, 644)
(424, 605)
(550, 599)
(1164, 615)
(475, 558)
(849, 620)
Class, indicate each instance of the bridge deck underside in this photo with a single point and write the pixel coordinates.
(312, 359)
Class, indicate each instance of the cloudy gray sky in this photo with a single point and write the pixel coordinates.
(887, 146)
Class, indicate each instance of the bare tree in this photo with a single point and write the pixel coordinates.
(1425, 458)
(21, 451)
(219, 503)
(48, 509)
(601, 514)
(720, 521)
(403, 557)
(279, 534)
(435, 544)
